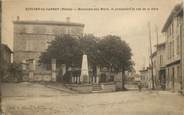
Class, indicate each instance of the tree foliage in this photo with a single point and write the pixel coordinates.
(115, 52)
(89, 46)
(14, 73)
(65, 49)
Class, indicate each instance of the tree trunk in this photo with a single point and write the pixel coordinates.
(94, 73)
(123, 79)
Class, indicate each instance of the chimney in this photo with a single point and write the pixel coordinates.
(68, 19)
(18, 18)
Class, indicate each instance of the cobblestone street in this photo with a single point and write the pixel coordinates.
(37, 99)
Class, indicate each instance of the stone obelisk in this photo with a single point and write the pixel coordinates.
(84, 77)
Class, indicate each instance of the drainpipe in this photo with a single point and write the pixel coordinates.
(182, 51)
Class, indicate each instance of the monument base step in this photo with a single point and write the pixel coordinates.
(97, 87)
(100, 91)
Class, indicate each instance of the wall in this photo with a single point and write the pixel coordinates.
(173, 55)
(108, 87)
(81, 88)
(38, 76)
(32, 39)
(173, 40)
(174, 81)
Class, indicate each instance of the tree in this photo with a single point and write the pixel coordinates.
(68, 50)
(13, 73)
(110, 51)
(65, 49)
(116, 54)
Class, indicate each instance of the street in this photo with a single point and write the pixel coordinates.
(37, 99)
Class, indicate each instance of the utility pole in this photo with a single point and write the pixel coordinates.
(156, 30)
(0, 55)
(149, 28)
(157, 59)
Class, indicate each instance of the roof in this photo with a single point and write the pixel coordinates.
(177, 9)
(38, 22)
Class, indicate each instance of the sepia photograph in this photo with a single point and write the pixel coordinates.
(91, 57)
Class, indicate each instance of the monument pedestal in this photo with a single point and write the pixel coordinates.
(84, 77)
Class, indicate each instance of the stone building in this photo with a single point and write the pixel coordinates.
(159, 64)
(31, 38)
(146, 79)
(172, 31)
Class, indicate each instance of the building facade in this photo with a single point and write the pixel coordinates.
(159, 74)
(146, 79)
(172, 31)
(31, 38)
(159, 64)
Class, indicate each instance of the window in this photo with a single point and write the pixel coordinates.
(35, 45)
(178, 46)
(21, 29)
(161, 60)
(178, 74)
(172, 30)
(39, 29)
(29, 29)
(170, 49)
(68, 30)
(173, 49)
(178, 21)
(154, 64)
(29, 45)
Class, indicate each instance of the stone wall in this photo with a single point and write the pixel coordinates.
(108, 87)
(81, 88)
(37, 76)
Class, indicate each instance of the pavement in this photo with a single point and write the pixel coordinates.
(39, 99)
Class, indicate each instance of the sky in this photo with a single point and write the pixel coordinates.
(131, 26)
